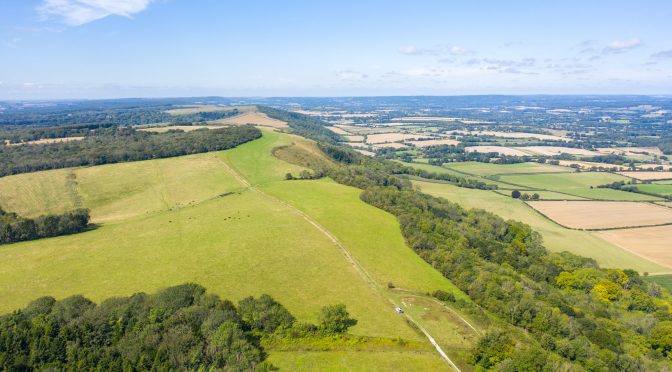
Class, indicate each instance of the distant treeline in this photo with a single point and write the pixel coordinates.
(580, 316)
(14, 228)
(180, 328)
(20, 135)
(303, 125)
(115, 145)
(116, 116)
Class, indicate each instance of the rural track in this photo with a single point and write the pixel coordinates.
(358, 267)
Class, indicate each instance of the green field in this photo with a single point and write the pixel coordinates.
(445, 170)
(578, 184)
(543, 195)
(664, 280)
(662, 190)
(556, 237)
(194, 219)
(489, 169)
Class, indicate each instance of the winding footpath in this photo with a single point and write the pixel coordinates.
(348, 256)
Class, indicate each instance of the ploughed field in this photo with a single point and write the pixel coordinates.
(603, 214)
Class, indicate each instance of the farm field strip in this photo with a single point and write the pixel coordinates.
(603, 214)
(579, 184)
(648, 176)
(556, 238)
(652, 243)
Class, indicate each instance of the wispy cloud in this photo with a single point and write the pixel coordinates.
(453, 50)
(663, 54)
(350, 75)
(620, 46)
(12, 43)
(79, 12)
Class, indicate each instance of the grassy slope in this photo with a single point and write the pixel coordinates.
(356, 361)
(556, 238)
(118, 191)
(445, 170)
(236, 245)
(578, 184)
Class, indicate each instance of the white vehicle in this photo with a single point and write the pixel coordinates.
(399, 310)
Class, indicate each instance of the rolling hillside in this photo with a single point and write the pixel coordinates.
(229, 221)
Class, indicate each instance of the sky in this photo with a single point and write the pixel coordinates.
(63, 49)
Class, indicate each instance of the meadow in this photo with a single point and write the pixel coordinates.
(652, 188)
(196, 219)
(490, 169)
(578, 184)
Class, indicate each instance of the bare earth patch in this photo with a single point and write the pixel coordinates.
(648, 176)
(254, 118)
(498, 149)
(652, 243)
(48, 140)
(435, 142)
(603, 215)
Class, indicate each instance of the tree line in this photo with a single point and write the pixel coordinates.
(120, 144)
(14, 228)
(178, 328)
(578, 314)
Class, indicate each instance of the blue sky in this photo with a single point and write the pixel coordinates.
(124, 48)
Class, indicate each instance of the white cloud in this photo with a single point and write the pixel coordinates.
(619, 46)
(458, 51)
(349, 75)
(79, 12)
(663, 54)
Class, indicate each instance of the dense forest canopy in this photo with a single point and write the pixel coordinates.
(120, 144)
(178, 328)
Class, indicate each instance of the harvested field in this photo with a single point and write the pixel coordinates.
(498, 149)
(652, 243)
(434, 142)
(255, 118)
(48, 140)
(555, 150)
(515, 135)
(338, 130)
(603, 215)
(355, 138)
(391, 146)
(627, 151)
(648, 176)
(392, 137)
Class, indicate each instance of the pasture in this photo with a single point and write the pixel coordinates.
(652, 243)
(578, 184)
(490, 169)
(652, 188)
(556, 238)
(602, 214)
